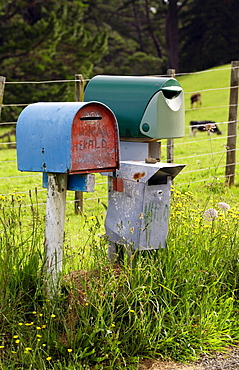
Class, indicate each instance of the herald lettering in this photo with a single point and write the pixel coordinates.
(92, 144)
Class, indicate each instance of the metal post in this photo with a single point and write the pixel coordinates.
(54, 229)
(232, 124)
(79, 96)
(170, 142)
(154, 150)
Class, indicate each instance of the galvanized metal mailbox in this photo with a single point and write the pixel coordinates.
(72, 138)
(145, 107)
(138, 207)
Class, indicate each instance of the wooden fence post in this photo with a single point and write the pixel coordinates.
(79, 96)
(232, 124)
(2, 85)
(170, 142)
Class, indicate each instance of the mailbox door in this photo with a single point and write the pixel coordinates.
(95, 140)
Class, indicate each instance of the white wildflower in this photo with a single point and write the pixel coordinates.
(223, 206)
(210, 214)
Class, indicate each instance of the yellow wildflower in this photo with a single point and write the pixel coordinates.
(91, 217)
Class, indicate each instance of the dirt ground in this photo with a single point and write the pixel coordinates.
(161, 365)
(225, 360)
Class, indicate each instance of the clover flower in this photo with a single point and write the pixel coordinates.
(223, 206)
(210, 214)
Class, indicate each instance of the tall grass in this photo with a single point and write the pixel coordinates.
(174, 303)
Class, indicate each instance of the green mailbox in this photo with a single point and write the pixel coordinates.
(146, 107)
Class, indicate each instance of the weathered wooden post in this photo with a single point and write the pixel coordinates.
(232, 124)
(54, 228)
(2, 85)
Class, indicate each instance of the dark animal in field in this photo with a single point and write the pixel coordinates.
(196, 99)
(209, 126)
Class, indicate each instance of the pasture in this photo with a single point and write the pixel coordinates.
(174, 303)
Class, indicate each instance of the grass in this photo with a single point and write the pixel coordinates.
(174, 303)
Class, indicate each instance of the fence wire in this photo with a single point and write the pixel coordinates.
(218, 155)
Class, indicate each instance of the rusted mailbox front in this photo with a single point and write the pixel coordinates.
(72, 138)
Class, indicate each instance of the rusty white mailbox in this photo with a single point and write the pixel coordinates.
(67, 142)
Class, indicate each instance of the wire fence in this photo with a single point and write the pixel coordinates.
(204, 154)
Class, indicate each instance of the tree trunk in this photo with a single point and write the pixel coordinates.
(172, 34)
(151, 31)
(138, 27)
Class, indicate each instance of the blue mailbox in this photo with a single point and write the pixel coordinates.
(74, 138)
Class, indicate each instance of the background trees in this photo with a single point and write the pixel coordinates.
(209, 34)
(50, 40)
(45, 40)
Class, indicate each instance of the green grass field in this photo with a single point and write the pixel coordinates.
(175, 303)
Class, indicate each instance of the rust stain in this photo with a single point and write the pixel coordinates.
(139, 175)
(94, 140)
